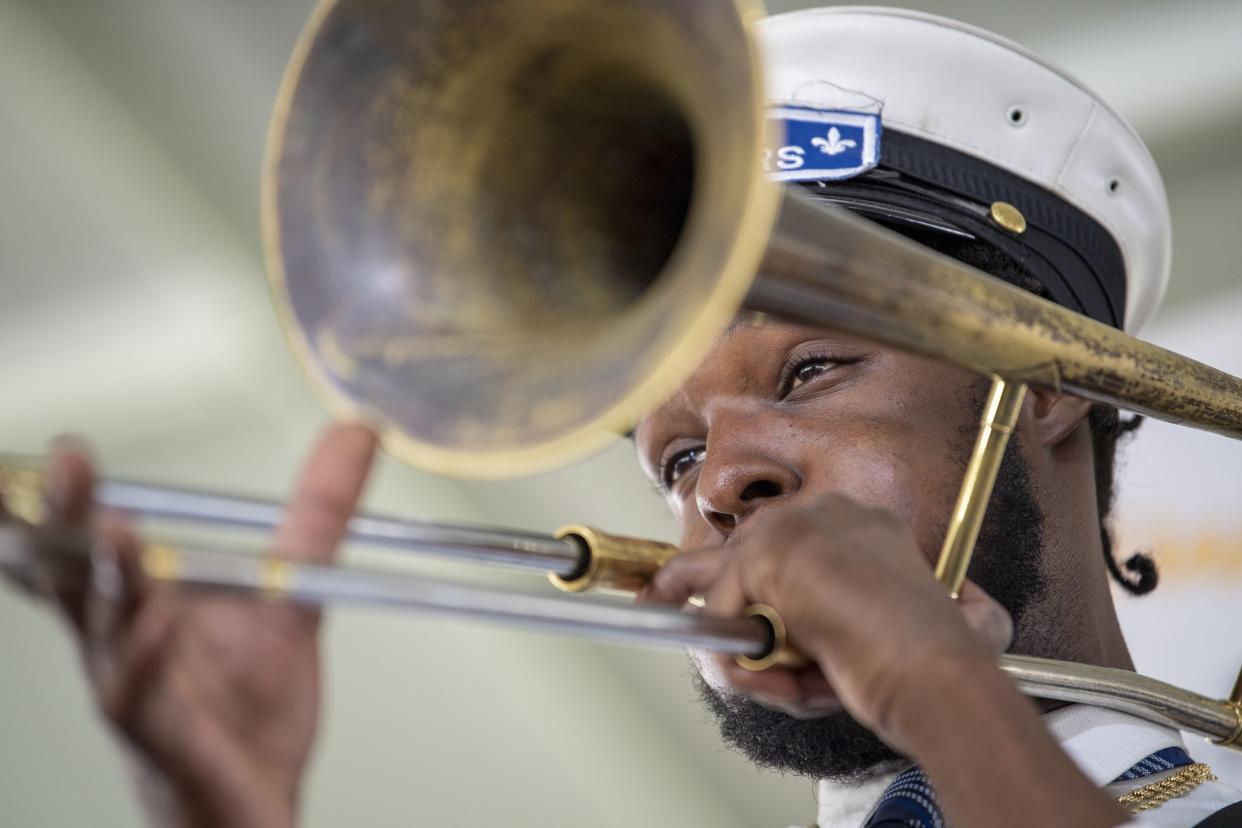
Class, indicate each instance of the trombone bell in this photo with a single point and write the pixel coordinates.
(530, 212)
(501, 230)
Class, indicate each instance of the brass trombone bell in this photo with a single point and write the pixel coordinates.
(503, 230)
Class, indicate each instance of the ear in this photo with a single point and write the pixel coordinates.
(1052, 417)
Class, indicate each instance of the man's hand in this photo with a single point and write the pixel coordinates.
(891, 647)
(218, 695)
(857, 598)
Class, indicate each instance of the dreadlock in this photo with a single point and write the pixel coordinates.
(1107, 427)
(1138, 574)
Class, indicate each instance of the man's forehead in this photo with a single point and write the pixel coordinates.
(743, 345)
(748, 331)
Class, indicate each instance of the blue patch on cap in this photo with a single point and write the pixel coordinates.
(821, 144)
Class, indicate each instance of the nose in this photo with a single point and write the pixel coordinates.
(732, 486)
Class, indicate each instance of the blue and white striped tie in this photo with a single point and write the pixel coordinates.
(910, 801)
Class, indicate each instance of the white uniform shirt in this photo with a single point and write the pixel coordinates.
(1103, 743)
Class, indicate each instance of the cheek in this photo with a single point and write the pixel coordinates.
(695, 532)
(919, 487)
(909, 465)
(897, 441)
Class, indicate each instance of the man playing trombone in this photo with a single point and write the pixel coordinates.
(811, 472)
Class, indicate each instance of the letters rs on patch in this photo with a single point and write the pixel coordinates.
(821, 144)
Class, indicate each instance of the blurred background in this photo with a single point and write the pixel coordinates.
(133, 309)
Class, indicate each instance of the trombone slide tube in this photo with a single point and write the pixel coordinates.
(751, 641)
(520, 550)
(280, 580)
(576, 559)
(21, 485)
(317, 585)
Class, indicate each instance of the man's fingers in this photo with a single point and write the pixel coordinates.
(122, 671)
(688, 574)
(726, 598)
(986, 617)
(68, 481)
(326, 495)
(117, 595)
(118, 586)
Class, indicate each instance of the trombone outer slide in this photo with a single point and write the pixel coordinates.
(280, 580)
(757, 640)
(576, 559)
(22, 484)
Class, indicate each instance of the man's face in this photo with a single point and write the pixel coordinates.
(779, 414)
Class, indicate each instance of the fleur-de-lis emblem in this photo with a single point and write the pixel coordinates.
(834, 144)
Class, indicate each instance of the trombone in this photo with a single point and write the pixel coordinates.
(580, 560)
(503, 231)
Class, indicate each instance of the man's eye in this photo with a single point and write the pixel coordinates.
(681, 463)
(807, 370)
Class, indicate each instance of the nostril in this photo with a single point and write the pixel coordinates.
(723, 521)
(760, 489)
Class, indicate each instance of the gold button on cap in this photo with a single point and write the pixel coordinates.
(1008, 217)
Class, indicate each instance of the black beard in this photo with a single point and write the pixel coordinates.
(836, 747)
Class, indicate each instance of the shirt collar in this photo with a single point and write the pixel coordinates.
(1103, 743)
(846, 804)
(1106, 743)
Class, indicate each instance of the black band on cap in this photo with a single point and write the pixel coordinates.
(1073, 256)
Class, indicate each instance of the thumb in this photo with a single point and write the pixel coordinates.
(326, 495)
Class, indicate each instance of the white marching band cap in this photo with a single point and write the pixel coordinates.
(931, 126)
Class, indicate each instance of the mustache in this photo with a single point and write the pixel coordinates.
(1009, 566)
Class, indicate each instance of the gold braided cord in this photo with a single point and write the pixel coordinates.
(1158, 793)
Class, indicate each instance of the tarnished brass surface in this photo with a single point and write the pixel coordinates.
(501, 228)
(1234, 739)
(612, 563)
(1000, 416)
(827, 267)
(498, 228)
(1217, 719)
